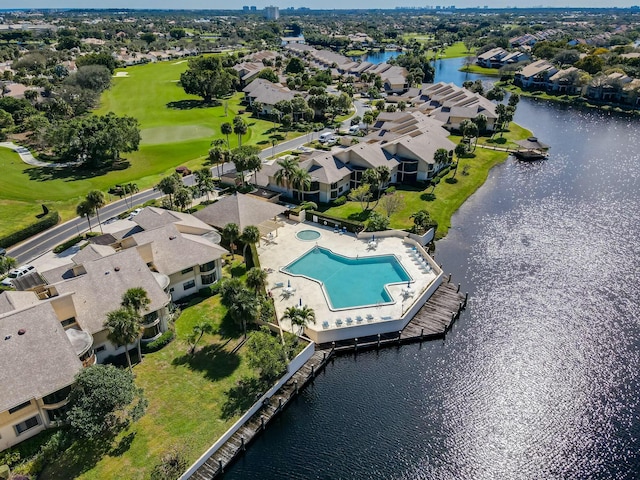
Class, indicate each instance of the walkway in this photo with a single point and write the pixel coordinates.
(27, 157)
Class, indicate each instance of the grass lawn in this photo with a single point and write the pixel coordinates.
(456, 50)
(451, 192)
(495, 72)
(176, 130)
(188, 401)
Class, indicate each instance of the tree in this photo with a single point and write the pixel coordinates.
(199, 330)
(148, 37)
(239, 128)
(183, 197)
(169, 185)
(177, 33)
(103, 401)
(246, 158)
(284, 175)
(441, 156)
(300, 316)
(207, 78)
(481, 122)
(301, 181)
(204, 180)
(230, 233)
(496, 93)
(244, 309)
(392, 203)
(93, 77)
(136, 300)
(250, 234)
(377, 222)
(421, 221)
(361, 194)
(96, 199)
(269, 74)
(294, 65)
(514, 99)
(368, 119)
(266, 354)
(460, 151)
(591, 64)
(7, 263)
(226, 129)
(256, 279)
(218, 157)
(123, 329)
(85, 210)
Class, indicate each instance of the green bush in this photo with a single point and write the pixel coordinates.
(68, 244)
(48, 221)
(390, 190)
(341, 200)
(160, 342)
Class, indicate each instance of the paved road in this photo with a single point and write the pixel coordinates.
(47, 240)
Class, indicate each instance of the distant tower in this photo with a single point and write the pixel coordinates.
(245, 9)
(272, 13)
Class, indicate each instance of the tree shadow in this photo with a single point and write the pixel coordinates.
(451, 180)
(191, 104)
(212, 360)
(71, 174)
(241, 396)
(499, 140)
(428, 197)
(81, 457)
(360, 216)
(123, 445)
(228, 328)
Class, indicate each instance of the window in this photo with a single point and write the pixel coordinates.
(27, 424)
(20, 407)
(334, 194)
(208, 279)
(151, 332)
(188, 285)
(150, 317)
(207, 267)
(101, 348)
(68, 321)
(57, 397)
(187, 270)
(334, 186)
(57, 414)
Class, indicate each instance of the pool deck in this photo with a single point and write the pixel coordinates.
(343, 323)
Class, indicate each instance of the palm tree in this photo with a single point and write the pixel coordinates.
(230, 233)
(284, 175)
(183, 198)
(250, 234)
(245, 307)
(84, 209)
(169, 185)
(301, 181)
(305, 316)
(197, 333)
(256, 279)
(239, 128)
(123, 328)
(291, 314)
(204, 180)
(97, 201)
(218, 156)
(136, 300)
(227, 129)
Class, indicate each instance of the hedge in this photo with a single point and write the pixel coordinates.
(162, 341)
(69, 243)
(48, 221)
(352, 225)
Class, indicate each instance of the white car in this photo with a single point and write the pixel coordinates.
(15, 273)
(134, 213)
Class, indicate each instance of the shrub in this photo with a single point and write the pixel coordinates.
(390, 190)
(377, 222)
(160, 342)
(351, 225)
(48, 221)
(341, 200)
(69, 243)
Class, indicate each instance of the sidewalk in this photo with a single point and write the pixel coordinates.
(27, 157)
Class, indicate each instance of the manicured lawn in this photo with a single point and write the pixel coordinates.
(449, 194)
(456, 50)
(481, 70)
(187, 401)
(176, 130)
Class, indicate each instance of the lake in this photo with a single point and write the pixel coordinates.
(539, 377)
(378, 57)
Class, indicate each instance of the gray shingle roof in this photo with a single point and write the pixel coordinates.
(243, 210)
(37, 363)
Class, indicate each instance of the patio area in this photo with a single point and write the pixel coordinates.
(338, 324)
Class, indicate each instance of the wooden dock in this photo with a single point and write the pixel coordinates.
(222, 458)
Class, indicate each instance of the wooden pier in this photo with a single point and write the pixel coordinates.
(237, 444)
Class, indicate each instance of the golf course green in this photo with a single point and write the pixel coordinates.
(176, 128)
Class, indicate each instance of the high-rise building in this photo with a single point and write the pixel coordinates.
(272, 13)
(245, 8)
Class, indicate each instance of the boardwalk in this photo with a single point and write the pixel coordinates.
(236, 445)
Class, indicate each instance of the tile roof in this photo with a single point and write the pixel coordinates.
(243, 210)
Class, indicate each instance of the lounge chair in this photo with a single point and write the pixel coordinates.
(325, 324)
(349, 321)
(278, 285)
(339, 322)
(369, 317)
(358, 319)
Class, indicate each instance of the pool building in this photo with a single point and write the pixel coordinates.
(357, 285)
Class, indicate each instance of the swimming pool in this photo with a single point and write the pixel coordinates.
(308, 235)
(350, 282)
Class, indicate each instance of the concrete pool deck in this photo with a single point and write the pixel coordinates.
(333, 325)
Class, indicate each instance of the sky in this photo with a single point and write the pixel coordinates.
(314, 4)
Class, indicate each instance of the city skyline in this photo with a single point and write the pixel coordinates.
(321, 4)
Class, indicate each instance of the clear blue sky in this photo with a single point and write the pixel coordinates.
(315, 4)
